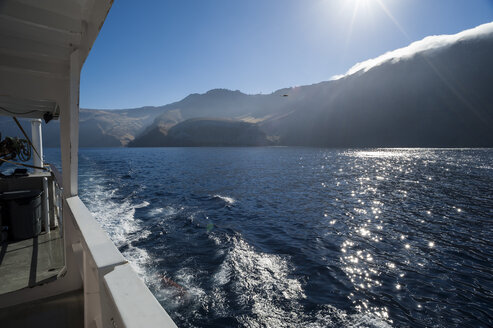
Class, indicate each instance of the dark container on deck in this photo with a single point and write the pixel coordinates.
(22, 211)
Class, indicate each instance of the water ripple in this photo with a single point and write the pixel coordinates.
(299, 237)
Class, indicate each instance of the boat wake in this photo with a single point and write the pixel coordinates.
(208, 274)
(117, 218)
(263, 285)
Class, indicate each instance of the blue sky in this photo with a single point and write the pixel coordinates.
(157, 52)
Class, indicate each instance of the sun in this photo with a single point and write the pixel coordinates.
(368, 5)
(362, 9)
(365, 4)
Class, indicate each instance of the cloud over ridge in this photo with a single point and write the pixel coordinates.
(429, 43)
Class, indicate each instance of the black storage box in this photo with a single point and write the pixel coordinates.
(22, 211)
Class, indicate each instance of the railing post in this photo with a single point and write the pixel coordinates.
(69, 141)
(92, 296)
(69, 130)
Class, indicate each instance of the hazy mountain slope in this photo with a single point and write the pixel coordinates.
(221, 103)
(97, 128)
(438, 97)
(122, 125)
(92, 135)
(217, 103)
(433, 93)
(204, 132)
(9, 128)
(114, 128)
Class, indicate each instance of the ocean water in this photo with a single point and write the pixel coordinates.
(302, 237)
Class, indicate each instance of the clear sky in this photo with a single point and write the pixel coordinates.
(157, 52)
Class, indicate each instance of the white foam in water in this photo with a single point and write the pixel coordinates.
(185, 289)
(227, 199)
(167, 211)
(187, 277)
(260, 279)
(264, 283)
(156, 211)
(118, 220)
(142, 205)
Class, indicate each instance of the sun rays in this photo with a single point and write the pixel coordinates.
(365, 9)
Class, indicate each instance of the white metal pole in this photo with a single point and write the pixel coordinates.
(46, 206)
(37, 140)
(55, 206)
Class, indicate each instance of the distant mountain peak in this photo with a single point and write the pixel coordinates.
(222, 91)
(218, 92)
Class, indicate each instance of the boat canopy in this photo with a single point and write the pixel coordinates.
(19, 107)
(38, 40)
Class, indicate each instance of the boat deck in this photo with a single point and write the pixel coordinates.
(31, 262)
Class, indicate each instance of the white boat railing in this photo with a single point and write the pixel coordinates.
(114, 296)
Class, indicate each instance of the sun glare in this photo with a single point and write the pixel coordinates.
(363, 5)
(363, 10)
(365, 2)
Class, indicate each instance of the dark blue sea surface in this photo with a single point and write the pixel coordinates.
(302, 237)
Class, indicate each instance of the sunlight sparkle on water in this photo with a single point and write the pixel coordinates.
(383, 153)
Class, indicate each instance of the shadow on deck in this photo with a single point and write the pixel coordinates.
(65, 310)
(31, 262)
(27, 264)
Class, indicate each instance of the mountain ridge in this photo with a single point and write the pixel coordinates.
(433, 92)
